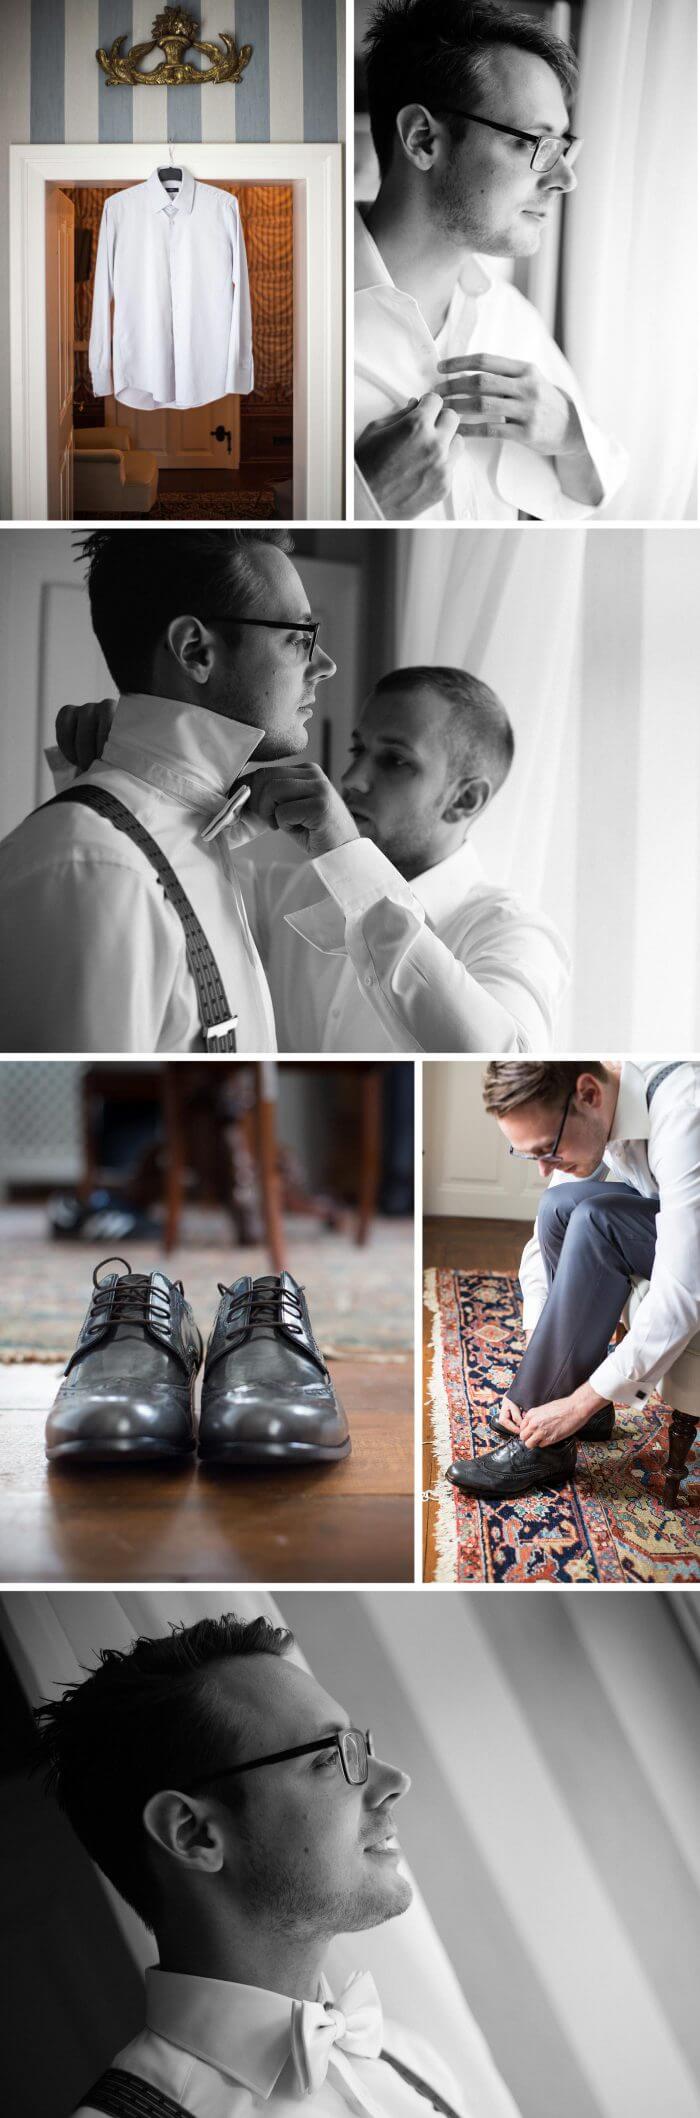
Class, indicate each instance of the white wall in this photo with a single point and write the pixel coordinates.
(468, 1170)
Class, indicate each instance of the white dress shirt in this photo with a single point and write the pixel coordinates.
(225, 2051)
(92, 955)
(449, 962)
(656, 1149)
(176, 270)
(396, 359)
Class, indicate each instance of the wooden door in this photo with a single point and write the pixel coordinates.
(184, 440)
(60, 222)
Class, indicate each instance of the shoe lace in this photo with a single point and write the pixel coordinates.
(268, 1305)
(134, 1300)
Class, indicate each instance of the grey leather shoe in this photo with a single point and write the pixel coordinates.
(599, 1427)
(267, 1395)
(502, 1474)
(128, 1389)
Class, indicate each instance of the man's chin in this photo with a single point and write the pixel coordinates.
(371, 1908)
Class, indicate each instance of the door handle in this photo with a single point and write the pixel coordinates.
(221, 434)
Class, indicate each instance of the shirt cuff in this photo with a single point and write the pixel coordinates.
(367, 509)
(532, 1310)
(101, 379)
(611, 1385)
(531, 483)
(357, 875)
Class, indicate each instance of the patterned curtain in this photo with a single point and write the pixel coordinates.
(266, 219)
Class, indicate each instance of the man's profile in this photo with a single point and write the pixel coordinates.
(465, 407)
(230, 1802)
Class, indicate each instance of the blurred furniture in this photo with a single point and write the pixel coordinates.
(111, 477)
(681, 1388)
(221, 1122)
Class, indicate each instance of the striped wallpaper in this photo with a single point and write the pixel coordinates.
(293, 88)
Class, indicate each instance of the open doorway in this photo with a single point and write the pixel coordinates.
(231, 458)
(284, 446)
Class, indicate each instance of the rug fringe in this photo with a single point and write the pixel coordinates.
(445, 1525)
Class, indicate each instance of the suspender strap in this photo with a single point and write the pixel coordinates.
(122, 2095)
(421, 2087)
(218, 1024)
(657, 1079)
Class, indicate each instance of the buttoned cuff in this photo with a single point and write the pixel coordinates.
(359, 875)
(612, 1386)
(531, 483)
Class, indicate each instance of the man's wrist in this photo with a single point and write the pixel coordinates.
(586, 1400)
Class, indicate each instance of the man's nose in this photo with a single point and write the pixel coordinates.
(386, 1782)
(562, 177)
(357, 775)
(322, 666)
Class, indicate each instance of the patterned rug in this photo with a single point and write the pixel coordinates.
(360, 1300)
(609, 1525)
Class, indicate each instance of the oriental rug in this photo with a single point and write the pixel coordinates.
(609, 1525)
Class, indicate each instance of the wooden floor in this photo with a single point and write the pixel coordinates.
(466, 1246)
(347, 1522)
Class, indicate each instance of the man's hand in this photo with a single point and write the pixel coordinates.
(82, 731)
(544, 1424)
(408, 460)
(511, 1415)
(510, 400)
(297, 797)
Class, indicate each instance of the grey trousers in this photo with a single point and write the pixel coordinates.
(595, 1239)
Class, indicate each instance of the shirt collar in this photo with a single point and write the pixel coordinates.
(244, 2031)
(188, 751)
(158, 196)
(442, 888)
(371, 271)
(631, 1115)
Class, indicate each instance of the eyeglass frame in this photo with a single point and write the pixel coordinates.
(299, 1750)
(309, 625)
(565, 140)
(519, 1153)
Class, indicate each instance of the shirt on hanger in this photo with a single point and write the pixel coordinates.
(176, 270)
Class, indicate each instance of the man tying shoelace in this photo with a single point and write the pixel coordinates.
(248, 1826)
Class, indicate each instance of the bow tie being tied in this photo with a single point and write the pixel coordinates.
(323, 2032)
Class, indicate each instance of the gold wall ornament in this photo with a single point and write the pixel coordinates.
(174, 32)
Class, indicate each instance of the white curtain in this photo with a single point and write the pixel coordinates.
(630, 267)
(53, 1637)
(592, 640)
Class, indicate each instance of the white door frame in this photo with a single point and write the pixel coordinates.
(315, 173)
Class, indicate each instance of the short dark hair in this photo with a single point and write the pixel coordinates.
(148, 1717)
(509, 1083)
(480, 732)
(139, 580)
(436, 52)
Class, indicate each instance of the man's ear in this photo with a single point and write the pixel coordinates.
(193, 647)
(419, 135)
(470, 798)
(185, 1829)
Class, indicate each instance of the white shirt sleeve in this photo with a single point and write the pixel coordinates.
(100, 353)
(240, 374)
(669, 1316)
(74, 960)
(425, 996)
(531, 482)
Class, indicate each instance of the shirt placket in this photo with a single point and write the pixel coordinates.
(172, 217)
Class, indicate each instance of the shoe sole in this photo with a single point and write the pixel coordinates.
(240, 1453)
(142, 1449)
(513, 1492)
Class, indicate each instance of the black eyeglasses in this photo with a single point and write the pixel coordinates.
(309, 626)
(547, 1154)
(548, 147)
(355, 1750)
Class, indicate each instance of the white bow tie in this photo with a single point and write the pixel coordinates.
(320, 2033)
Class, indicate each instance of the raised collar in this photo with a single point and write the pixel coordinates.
(192, 754)
(443, 888)
(631, 1119)
(371, 271)
(158, 196)
(244, 2031)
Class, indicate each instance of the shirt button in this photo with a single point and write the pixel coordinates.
(369, 978)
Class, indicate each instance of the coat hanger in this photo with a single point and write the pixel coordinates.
(175, 175)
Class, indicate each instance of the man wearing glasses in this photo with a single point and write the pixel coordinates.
(122, 921)
(465, 408)
(248, 1825)
(620, 1143)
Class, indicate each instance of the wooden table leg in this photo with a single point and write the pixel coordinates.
(174, 1153)
(267, 1152)
(370, 1148)
(681, 1435)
